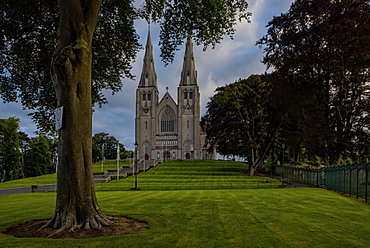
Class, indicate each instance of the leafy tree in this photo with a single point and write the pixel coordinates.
(39, 157)
(110, 145)
(10, 155)
(79, 72)
(24, 142)
(323, 48)
(238, 121)
(96, 153)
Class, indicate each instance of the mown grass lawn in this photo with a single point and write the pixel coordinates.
(27, 182)
(193, 174)
(298, 217)
(52, 178)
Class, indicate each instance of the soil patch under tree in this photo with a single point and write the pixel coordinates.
(120, 226)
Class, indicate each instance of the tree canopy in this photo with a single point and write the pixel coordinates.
(10, 154)
(29, 36)
(238, 120)
(110, 146)
(320, 50)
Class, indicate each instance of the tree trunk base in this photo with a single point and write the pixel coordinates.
(95, 221)
(32, 229)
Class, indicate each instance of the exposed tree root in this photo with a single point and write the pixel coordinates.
(93, 222)
(31, 228)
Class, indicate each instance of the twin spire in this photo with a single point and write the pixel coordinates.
(149, 76)
(188, 74)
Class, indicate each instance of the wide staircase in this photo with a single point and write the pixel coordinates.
(142, 165)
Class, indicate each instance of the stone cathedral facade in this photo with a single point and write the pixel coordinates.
(166, 129)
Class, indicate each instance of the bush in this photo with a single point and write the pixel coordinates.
(315, 161)
(115, 177)
(98, 173)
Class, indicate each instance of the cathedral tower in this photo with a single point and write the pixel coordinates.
(189, 106)
(166, 129)
(146, 105)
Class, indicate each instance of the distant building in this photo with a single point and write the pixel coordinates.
(166, 129)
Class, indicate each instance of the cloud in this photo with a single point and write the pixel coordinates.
(229, 61)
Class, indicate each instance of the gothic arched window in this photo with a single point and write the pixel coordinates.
(188, 146)
(168, 120)
(147, 149)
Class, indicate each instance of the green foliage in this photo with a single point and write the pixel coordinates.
(316, 161)
(30, 36)
(115, 177)
(321, 77)
(28, 43)
(96, 152)
(110, 147)
(10, 155)
(346, 160)
(39, 157)
(238, 121)
(207, 21)
(300, 217)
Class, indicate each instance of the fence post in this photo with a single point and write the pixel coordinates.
(317, 177)
(367, 182)
(357, 182)
(350, 180)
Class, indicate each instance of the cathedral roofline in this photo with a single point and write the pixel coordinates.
(167, 97)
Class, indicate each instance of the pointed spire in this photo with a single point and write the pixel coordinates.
(148, 75)
(189, 74)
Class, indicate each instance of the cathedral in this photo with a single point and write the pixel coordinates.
(165, 129)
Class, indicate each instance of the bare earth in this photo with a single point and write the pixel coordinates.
(121, 226)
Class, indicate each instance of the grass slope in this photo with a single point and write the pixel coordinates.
(27, 182)
(52, 178)
(193, 174)
(300, 217)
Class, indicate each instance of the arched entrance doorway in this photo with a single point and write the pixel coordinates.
(146, 156)
(187, 155)
(166, 155)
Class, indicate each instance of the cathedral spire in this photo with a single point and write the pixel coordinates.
(188, 74)
(148, 75)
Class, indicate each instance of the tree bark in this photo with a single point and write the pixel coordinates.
(76, 203)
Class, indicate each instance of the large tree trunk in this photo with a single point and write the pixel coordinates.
(76, 203)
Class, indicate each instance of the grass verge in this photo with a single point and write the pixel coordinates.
(300, 217)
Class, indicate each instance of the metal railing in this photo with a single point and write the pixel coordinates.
(352, 179)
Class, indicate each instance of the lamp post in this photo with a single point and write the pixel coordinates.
(283, 149)
(135, 165)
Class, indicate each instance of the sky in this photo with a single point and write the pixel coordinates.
(229, 61)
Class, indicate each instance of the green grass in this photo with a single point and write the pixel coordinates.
(193, 174)
(110, 165)
(298, 217)
(26, 182)
(52, 178)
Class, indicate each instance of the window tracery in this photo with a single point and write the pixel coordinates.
(168, 121)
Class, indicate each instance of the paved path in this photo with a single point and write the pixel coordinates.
(40, 188)
(296, 184)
